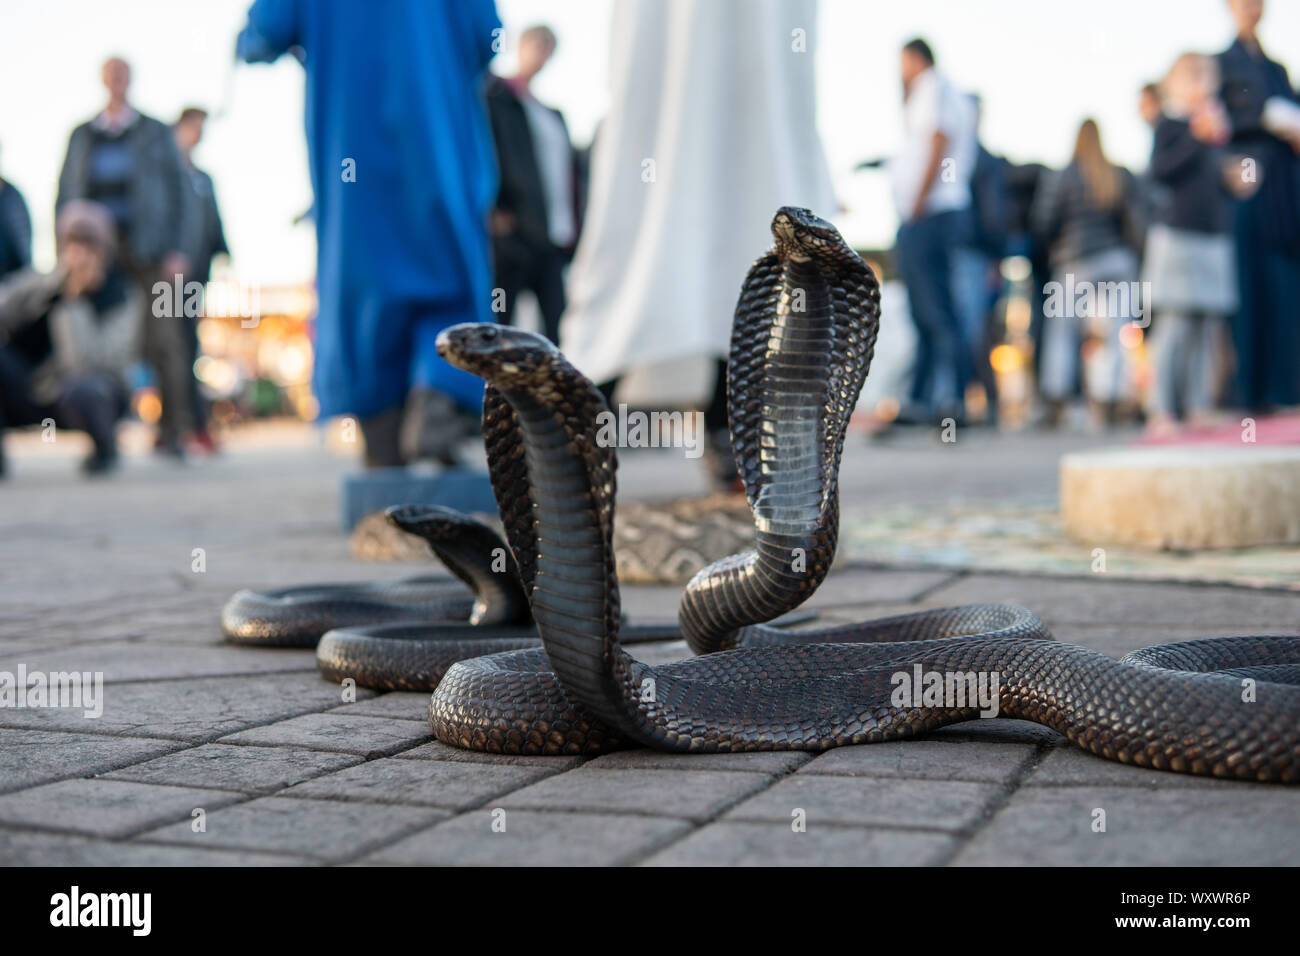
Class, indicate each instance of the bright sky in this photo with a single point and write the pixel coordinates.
(1040, 66)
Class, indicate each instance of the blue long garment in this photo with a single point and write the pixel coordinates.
(394, 93)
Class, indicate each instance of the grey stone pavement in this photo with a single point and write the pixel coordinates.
(207, 754)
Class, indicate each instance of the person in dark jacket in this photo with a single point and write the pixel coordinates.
(68, 338)
(535, 220)
(128, 163)
(1189, 266)
(205, 239)
(1266, 224)
(15, 230)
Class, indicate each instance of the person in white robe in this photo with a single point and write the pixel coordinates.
(711, 128)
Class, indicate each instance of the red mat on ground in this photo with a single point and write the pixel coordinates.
(1269, 430)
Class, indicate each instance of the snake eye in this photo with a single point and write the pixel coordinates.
(489, 333)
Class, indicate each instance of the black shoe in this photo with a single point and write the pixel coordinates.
(96, 464)
(166, 448)
(430, 428)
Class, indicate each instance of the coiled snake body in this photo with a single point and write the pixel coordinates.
(805, 327)
(802, 341)
(403, 635)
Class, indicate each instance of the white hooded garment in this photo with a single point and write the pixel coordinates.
(712, 127)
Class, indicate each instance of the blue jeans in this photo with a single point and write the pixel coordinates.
(925, 262)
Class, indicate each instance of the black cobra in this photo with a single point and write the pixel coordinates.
(803, 337)
(403, 635)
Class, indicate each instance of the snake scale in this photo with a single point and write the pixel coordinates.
(803, 336)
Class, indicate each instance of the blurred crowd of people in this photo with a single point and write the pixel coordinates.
(633, 251)
(1200, 256)
(133, 216)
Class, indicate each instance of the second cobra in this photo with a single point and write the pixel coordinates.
(1177, 707)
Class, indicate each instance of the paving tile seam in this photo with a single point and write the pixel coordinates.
(708, 769)
(773, 778)
(180, 843)
(366, 756)
(83, 775)
(130, 834)
(953, 576)
(910, 776)
(380, 842)
(613, 814)
(995, 804)
(222, 676)
(457, 813)
(128, 841)
(141, 842)
(192, 743)
(89, 733)
(250, 794)
(455, 809)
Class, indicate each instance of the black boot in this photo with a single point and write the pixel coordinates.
(381, 434)
(431, 428)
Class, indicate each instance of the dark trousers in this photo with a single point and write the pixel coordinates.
(91, 402)
(1266, 328)
(165, 349)
(540, 270)
(925, 255)
(198, 405)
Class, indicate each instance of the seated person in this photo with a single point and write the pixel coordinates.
(68, 338)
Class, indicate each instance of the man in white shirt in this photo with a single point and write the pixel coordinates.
(931, 186)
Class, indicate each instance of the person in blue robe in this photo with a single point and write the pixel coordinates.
(404, 176)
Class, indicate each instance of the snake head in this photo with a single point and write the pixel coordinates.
(801, 234)
(431, 522)
(502, 355)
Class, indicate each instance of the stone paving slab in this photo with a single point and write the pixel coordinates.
(221, 766)
(112, 808)
(696, 796)
(31, 757)
(1072, 766)
(533, 838)
(368, 737)
(196, 710)
(944, 805)
(125, 661)
(927, 760)
(332, 831)
(1243, 825)
(25, 848)
(763, 844)
(401, 705)
(436, 783)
